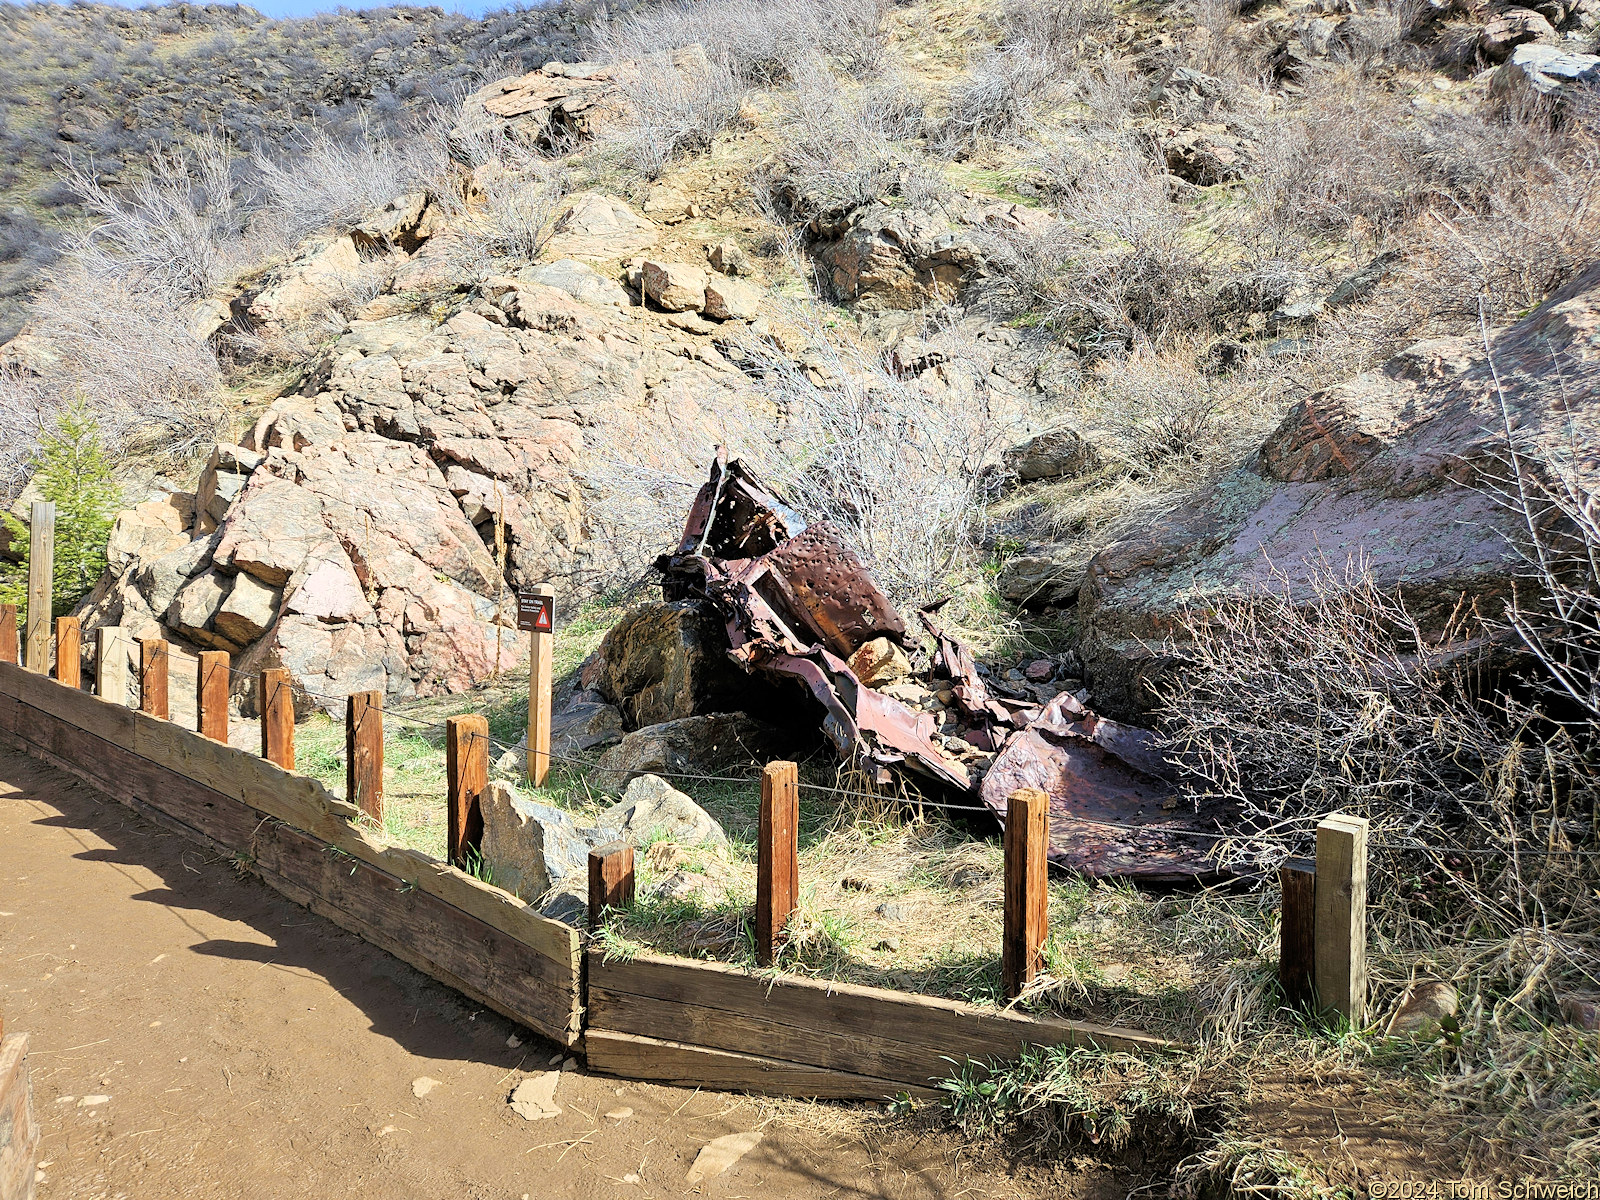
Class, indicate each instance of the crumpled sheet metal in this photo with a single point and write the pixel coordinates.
(1101, 775)
(797, 603)
(799, 609)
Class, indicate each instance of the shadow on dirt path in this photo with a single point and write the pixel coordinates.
(195, 1034)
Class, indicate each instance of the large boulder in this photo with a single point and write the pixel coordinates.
(1393, 470)
(601, 227)
(897, 258)
(1055, 454)
(1538, 71)
(675, 286)
(533, 848)
(704, 745)
(1507, 30)
(664, 661)
(146, 531)
(651, 806)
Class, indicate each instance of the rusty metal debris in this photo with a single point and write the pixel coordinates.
(798, 604)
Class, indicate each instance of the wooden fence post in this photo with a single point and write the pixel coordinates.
(111, 664)
(153, 677)
(777, 856)
(8, 634)
(1340, 958)
(466, 758)
(277, 718)
(41, 583)
(211, 695)
(541, 655)
(69, 652)
(1027, 902)
(363, 745)
(1297, 937)
(610, 880)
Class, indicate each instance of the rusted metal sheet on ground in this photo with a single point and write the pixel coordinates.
(797, 603)
(1112, 814)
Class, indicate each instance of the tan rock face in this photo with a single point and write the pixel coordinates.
(148, 531)
(597, 226)
(731, 300)
(675, 286)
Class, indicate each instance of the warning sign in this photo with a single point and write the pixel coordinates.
(536, 613)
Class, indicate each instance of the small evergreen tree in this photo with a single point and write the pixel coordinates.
(71, 469)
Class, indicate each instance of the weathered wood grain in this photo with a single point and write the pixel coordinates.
(634, 1057)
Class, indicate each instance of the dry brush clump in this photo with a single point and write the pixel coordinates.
(902, 466)
(840, 150)
(1328, 694)
(328, 178)
(759, 41)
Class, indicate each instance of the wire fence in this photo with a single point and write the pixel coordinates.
(1269, 840)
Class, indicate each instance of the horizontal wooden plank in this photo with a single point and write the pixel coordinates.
(833, 1025)
(908, 1064)
(391, 909)
(295, 799)
(111, 722)
(454, 947)
(635, 1057)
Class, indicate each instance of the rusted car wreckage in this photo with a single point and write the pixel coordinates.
(798, 604)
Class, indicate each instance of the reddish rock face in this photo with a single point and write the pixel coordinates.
(370, 507)
(1391, 468)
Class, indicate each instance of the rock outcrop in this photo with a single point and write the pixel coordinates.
(351, 536)
(1394, 469)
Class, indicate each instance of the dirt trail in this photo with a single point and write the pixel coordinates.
(194, 1034)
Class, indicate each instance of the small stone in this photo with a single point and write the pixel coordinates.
(1583, 1012)
(728, 258)
(730, 300)
(717, 1155)
(619, 1114)
(676, 287)
(1422, 1008)
(651, 805)
(534, 1098)
(92, 1101)
(422, 1085)
(879, 662)
(890, 944)
(513, 1041)
(851, 884)
(1040, 670)
(890, 911)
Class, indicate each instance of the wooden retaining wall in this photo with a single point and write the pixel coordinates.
(303, 841)
(669, 1020)
(706, 1024)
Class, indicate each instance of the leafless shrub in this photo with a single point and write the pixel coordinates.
(150, 383)
(1119, 270)
(1005, 88)
(324, 179)
(677, 108)
(1157, 409)
(1322, 693)
(758, 40)
(839, 152)
(175, 231)
(1060, 27)
(897, 464)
